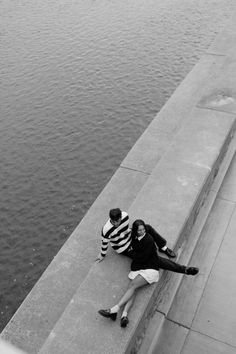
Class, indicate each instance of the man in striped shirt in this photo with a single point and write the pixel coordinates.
(116, 231)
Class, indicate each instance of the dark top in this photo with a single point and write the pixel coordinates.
(144, 253)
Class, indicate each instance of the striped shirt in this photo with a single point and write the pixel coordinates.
(119, 237)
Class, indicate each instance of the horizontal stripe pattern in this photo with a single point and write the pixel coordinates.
(119, 237)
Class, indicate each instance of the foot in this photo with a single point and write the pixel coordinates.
(108, 314)
(168, 252)
(124, 321)
(191, 270)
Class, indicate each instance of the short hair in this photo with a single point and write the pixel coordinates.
(115, 214)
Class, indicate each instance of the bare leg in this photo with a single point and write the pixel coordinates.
(124, 317)
(127, 299)
(128, 305)
(136, 283)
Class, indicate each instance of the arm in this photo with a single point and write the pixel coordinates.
(158, 239)
(104, 247)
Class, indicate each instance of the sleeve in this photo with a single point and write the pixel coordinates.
(105, 243)
(158, 239)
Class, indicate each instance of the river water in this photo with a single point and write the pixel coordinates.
(79, 82)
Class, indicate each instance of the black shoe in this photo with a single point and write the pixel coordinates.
(107, 313)
(191, 270)
(168, 252)
(124, 321)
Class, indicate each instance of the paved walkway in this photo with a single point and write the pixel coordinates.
(202, 318)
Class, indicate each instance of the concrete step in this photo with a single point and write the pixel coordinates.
(167, 333)
(80, 326)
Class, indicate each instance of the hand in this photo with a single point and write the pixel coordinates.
(99, 258)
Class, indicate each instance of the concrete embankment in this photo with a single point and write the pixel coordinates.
(201, 317)
(164, 180)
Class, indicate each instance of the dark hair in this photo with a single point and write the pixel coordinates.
(115, 214)
(135, 226)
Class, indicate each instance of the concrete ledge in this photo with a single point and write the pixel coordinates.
(179, 202)
(167, 292)
(161, 132)
(190, 292)
(167, 198)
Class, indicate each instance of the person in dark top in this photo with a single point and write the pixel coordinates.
(144, 269)
(117, 233)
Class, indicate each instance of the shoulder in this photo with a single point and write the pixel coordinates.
(124, 215)
(150, 229)
(124, 218)
(107, 227)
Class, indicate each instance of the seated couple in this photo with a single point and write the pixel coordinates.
(140, 244)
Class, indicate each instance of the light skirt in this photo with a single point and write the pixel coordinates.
(150, 275)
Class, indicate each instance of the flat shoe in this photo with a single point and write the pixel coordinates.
(108, 314)
(191, 270)
(124, 321)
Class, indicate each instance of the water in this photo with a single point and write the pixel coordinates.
(80, 81)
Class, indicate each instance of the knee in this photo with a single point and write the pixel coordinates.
(131, 286)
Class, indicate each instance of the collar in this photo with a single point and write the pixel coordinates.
(140, 237)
